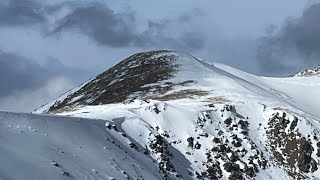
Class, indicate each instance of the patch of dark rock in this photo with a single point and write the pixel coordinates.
(230, 167)
(295, 150)
(230, 108)
(165, 134)
(156, 110)
(251, 171)
(158, 145)
(228, 121)
(244, 133)
(115, 127)
(204, 135)
(235, 176)
(65, 173)
(213, 172)
(236, 143)
(315, 137)
(134, 146)
(234, 157)
(197, 145)
(224, 148)
(318, 149)
(294, 123)
(146, 151)
(109, 126)
(216, 140)
(190, 142)
(243, 124)
(305, 160)
(55, 164)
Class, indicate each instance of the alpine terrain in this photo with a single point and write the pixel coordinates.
(169, 115)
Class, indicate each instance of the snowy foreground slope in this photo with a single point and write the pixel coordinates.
(50, 147)
(195, 120)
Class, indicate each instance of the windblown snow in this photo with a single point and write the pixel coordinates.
(169, 115)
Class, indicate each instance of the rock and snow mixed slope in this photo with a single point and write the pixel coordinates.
(309, 72)
(196, 120)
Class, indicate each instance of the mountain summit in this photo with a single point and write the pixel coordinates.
(157, 75)
(199, 120)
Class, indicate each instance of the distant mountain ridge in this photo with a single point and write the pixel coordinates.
(315, 71)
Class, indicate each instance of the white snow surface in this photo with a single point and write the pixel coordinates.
(29, 143)
(44, 147)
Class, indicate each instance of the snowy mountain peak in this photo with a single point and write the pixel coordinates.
(309, 72)
(158, 75)
(200, 120)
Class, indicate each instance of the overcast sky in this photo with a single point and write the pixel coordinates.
(47, 47)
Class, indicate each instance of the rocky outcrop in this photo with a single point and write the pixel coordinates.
(229, 150)
(290, 149)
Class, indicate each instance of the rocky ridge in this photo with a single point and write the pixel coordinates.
(309, 72)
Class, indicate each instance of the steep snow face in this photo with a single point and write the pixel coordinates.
(201, 120)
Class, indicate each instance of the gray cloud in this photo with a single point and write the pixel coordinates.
(21, 78)
(21, 12)
(294, 46)
(27, 100)
(103, 25)
(112, 29)
(19, 73)
(176, 33)
(100, 23)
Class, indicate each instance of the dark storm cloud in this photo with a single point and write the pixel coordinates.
(18, 73)
(20, 12)
(294, 46)
(100, 23)
(103, 25)
(27, 85)
(109, 28)
(176, 33)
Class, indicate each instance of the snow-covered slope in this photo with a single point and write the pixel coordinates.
(203, 120)
(50, 147)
